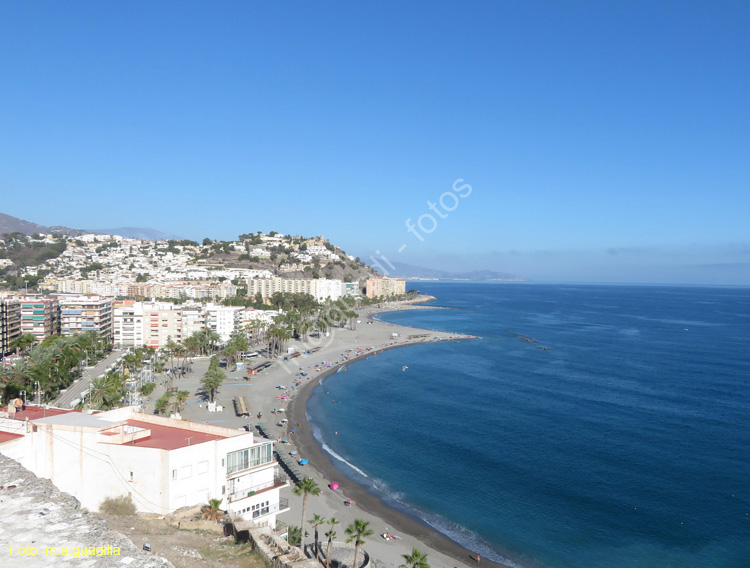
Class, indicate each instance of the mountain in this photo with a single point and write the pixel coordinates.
(10, 224)
(411, 272)
(145, 234)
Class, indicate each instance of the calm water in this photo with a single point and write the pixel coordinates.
(626, 443)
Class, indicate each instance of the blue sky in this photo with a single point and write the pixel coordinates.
(603, 141)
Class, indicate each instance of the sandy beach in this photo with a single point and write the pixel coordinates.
(341, 347)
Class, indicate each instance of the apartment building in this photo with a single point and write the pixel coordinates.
(128, 324)
(85, 313)
(382, 287)
(162, 322)
(164, 464)
(319, 288)
(193, 319)
(221, 320)
(40, 316)
(10, 324)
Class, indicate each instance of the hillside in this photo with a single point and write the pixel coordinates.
(9, 224)
(142, 233)
(286, 257)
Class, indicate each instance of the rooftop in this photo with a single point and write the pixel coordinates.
(37, 412)
(7, 437)
(75, 419)
(170, 438)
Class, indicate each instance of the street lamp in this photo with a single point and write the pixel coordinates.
(23, 393)
(37, 394)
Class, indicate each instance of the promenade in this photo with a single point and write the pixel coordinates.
(263, 394)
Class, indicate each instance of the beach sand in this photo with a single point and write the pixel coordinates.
(441, 551)
(262, 394)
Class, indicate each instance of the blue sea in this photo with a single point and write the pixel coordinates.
(624, 444)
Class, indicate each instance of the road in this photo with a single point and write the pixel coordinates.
(74, 391)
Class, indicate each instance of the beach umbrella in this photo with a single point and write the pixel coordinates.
(334, 486)
(302, 462)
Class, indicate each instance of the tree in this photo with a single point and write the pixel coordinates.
(316, 521)
(331, 534)
(182, 397)
(212, 512)
(162, 403)
(357, 532)
(211, 382)
(294, 535)
(22, 343)
(304, 488)
(106, 391)
(416, 559)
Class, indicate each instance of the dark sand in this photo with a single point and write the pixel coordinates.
(320, 461)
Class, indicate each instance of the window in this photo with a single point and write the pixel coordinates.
(174, 474)
(250, 457)
(131, 476)
(187, 471)
(260, 509)
(202, 467)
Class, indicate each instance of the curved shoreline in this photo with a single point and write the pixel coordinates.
(322, 462)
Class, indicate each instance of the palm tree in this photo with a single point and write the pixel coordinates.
(106, 391)
(316, 521)
(211, 382)
(22, 343)
(331, 534)
(212, 511)
(305, 487)
(416, 559)
(162, 403)
(182, 397)
(357, 532)
(294, 535)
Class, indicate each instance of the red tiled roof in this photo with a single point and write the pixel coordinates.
(7, 437)
(169, 438)
(37, 412)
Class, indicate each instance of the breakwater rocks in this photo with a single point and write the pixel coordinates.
(42, 526)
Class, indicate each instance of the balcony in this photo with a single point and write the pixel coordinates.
(278, 481)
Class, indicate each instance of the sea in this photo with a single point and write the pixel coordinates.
(590, 426)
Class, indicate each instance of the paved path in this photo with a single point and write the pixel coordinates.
(74, 391)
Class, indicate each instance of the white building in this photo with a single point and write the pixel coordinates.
(221, 320)
(324, 289)
(128, 324)
(163, 464)
(193, 319)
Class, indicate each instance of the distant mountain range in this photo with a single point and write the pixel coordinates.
(411, 272)
(142, 233)
(10, 224)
